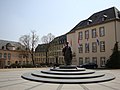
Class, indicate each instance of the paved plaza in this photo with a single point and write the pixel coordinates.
(10, 79)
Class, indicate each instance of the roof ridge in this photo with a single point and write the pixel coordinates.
(111, 13)
(9, 41)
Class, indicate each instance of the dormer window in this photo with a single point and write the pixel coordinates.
(89, 22)
(104, 17)
(2, 47)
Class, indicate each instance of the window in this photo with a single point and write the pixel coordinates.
(9, 56)
(20, 55)
(104, 17)
(80, 60)
(94, 33)
(20, 62)
(102, 46)
(0, 55)
(102, 31)
(80, 36)
(5, 55)
(102, 61)
(16, 62)
(2, 47)
(94, 46)
(87, 59)
(87, 34)
(94, 60)
(86, 47)
(80, 48)
(8, 62)
(89, 21)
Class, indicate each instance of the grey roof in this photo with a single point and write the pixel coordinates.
(56, 41)
(41, 48)
(12, 43)
(59, 40)
(109, 14)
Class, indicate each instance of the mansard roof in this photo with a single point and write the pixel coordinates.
(59, 40)
(41, 48)
(4, 43)
(98, 17)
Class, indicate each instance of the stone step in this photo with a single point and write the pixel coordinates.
(67, 70)
(106, 77)
(86, 76)
(68, 73)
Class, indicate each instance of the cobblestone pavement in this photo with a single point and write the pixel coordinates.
(10, 79)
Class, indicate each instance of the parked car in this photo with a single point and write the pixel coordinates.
(89, 65)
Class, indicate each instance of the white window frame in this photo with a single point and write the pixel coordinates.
(102, 61)
(80, 60)
(94, 33)
(87, 34)
(102, 46)
(101, 31)
(87, 60)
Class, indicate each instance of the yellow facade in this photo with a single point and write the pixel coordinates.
(112, 34)
(55, 54)
(14, 57)
(94, 41)
(40, 57)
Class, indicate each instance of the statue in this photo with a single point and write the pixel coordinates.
(67, 53)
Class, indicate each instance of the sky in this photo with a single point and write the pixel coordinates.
(20, 17)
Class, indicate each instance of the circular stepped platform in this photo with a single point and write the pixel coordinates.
(68, 73)
(67, 70)
(38, 74)
(65, 75)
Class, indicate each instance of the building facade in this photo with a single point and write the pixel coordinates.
(50, 53)
(40, 55)
(93, 39)
(13, 53)
(55, 55)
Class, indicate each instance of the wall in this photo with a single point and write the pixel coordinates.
(109, 39)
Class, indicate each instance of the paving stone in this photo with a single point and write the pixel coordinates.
(8, 82)
(72, 87)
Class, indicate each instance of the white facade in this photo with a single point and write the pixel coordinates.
(94, 43)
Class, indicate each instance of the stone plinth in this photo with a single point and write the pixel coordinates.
(68, 75)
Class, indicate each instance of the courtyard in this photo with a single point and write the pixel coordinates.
(10, 79)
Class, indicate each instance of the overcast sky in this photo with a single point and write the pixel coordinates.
(19, 17)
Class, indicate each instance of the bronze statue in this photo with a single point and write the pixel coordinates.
(67, 53)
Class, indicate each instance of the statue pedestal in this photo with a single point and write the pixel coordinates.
(68, 67)
(68, 74)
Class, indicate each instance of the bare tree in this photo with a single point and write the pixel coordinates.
(34, 40)
(25, 40)
(48, 38)
(44, 39)
(30, 42)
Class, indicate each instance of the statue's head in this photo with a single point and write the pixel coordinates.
(67, 43)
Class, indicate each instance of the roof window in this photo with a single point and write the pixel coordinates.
(104, 17)
(89, 21)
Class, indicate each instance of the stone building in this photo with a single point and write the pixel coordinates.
(40, 54)
(93, 39)
(55, 50)
(50, 53)
(13, 53)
